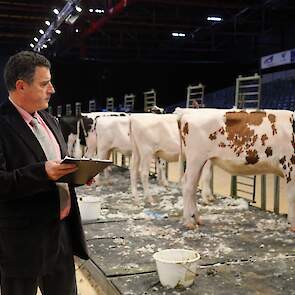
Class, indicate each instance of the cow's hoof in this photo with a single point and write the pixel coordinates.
(190, 226)
(292, 229)
(205, 202)
(152, 201)
(199, 221)
(211, 198)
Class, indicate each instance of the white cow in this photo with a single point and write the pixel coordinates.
(112, 133)
(240, 142)
(157, 135)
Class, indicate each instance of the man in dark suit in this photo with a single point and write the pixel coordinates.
(40, 224)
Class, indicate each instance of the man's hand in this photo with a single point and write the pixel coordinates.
(55, 170)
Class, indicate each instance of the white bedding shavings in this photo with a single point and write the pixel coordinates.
(119, 241)
(227, 205)
(153, 230)
(149, 248)
(271, 224)
(131, 265)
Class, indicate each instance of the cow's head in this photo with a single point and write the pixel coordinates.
(156, 110)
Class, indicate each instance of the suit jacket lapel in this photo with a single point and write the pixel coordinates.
(15, 120)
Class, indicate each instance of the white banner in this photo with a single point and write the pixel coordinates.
(276, 59)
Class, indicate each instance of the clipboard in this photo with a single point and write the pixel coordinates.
(87, 169)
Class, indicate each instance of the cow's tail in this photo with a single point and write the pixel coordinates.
(77, 146)
(181, 158)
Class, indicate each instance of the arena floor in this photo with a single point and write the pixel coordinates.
(244, 250)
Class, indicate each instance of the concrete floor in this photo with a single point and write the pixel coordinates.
(243, 250)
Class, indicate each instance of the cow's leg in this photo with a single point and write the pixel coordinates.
(291, 204)
(189, 186)
(161, 172)
(103, 155)
(78, 152)
(144, 169)
(134, 167)
(205, 181)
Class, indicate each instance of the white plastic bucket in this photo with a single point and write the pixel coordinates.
(89, 207)
(176, 267)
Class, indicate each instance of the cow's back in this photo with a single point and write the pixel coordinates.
(241, 142)
(157, 134)
(113, 133)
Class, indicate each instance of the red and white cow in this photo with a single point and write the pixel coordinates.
(242, 143)
(157, 136)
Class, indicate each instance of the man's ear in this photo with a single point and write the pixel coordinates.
(20, 85)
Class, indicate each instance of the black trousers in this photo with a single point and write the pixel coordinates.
(60, 281)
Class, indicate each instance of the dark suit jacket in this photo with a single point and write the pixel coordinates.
(29, 201)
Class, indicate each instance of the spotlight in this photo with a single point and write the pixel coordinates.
(79, 9)
(214, 18)
(178, 35)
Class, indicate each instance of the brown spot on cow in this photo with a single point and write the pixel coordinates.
(238, 128)
(221, 130)
(284, 167)
(185, 128)
(289, 177)
(292, 159)
(271, 118)
(254, 139)
(264, 138)
(252, 157)
(239, 151)
(212, 136)
(274, 129)
(183, 139)
(222, 145)
(283, 160)
(268, 151)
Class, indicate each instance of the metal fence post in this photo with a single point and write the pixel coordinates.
(263, 192)
(276, 205)
(233, 190)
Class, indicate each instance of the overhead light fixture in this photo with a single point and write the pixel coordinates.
(36, 39)
(99, 10)
(41, 31)
(91, 9)
(47, 22)
(79, 9)
(215, 18)
(69, 12)
(32, 45)
(77, 30)
(44, 46)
